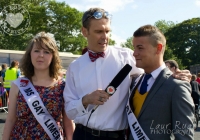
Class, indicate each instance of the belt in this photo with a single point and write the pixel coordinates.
(100, 133)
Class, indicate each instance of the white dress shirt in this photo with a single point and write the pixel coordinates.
(84, 77)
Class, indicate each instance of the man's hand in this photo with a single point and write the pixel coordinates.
(98, 97)
(183, 75)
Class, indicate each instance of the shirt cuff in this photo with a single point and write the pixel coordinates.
(81, 109)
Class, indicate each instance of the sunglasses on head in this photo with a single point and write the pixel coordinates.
(98, 15)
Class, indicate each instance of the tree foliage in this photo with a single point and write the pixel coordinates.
(184, 41)
(111, 42)
(164, 26)
(49, 16)
(65, 23)
(128, 43)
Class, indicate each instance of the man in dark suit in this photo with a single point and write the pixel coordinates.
(195, 90)
(160, 107)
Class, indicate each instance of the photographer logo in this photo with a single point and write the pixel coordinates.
(14, 19)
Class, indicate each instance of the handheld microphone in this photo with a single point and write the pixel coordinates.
(121, 75)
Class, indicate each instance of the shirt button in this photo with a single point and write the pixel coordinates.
(83, 111)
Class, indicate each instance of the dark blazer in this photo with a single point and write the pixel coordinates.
(168, 110)
(195, 91)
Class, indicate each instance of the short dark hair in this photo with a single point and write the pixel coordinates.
(155, 35)
(86, 20)
(13, 64)
(194, 77)
(172, 63)
(4, 66)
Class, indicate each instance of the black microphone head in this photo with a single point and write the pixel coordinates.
(118, 79)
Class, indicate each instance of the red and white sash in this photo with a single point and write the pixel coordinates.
(38, 109)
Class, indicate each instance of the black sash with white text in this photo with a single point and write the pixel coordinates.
(38, 109)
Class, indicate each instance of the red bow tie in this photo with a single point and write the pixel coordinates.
(94, 56)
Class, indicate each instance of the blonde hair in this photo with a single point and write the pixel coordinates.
(41, 39)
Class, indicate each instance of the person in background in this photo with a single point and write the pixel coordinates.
(2, 73)
(1, 87)
(1, 79)
(4, 68)
(11, 74)
(1, 82)
(4, 96)
(195, 90)
(198, 78)
(26, 117)
(62, 74)
(172, 65)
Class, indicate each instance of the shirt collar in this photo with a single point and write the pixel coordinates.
(157, 71)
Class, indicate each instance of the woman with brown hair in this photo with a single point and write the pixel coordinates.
(36, 105)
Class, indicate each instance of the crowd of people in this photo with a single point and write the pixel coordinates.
(45, 105)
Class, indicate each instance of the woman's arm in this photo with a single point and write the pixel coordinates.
(69, 126)
(11, 117)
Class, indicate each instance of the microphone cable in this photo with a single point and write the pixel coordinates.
(112, 87)
(89, 119)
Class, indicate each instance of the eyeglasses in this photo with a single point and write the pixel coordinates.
(98, 15)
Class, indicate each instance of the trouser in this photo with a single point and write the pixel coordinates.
(130, 137)
(84, 133)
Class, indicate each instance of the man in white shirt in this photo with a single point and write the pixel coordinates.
(162, 105)
(89, 75)
(87, 80)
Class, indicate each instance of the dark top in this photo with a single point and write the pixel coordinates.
(195, 91)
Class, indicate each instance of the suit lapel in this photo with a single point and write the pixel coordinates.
(135, 83)
(165, 73)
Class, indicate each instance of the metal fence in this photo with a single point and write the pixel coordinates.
(7, 56)
(3, 100)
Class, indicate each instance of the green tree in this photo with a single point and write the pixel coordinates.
(49, 16)
(111, 42)
(128, 43)
(164, 25)
(65, 23)
(184, 40)
(36, 10)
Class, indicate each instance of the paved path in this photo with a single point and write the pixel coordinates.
(3, 118)
(2, 121)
